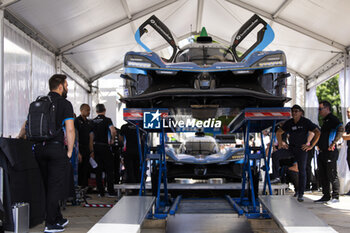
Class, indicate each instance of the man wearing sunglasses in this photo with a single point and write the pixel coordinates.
(298, 129)
(331, 131)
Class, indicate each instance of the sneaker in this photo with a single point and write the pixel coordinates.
(100, 195)
(53, 228)
(322, 200)
(275, 181)
(332, 201)
(64, 222)
(300, 199)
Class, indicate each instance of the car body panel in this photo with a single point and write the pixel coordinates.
(153, 59)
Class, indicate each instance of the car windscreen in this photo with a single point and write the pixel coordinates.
(204, 55)
(199, 146)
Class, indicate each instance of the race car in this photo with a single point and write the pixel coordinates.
(200, 157)
(206, 73)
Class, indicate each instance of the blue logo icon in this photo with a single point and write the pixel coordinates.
(151, 120)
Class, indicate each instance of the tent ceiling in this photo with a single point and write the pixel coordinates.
(95, 35)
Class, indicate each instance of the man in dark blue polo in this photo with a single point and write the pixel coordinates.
(298, 129)
(331, 131)
(346, 137)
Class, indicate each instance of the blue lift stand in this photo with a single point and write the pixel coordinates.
(255, 120)
(156, 157)
(175, 205)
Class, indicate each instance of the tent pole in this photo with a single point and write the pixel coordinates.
(346, 60)
(1, 72)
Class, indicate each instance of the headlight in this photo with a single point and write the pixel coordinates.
(271, 61)
(166, 72)
(240, 156)
(138, 61)
(168, 158)
(139, 64)
(242, 72)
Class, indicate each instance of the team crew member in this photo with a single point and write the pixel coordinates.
(101, 139)
(346, 136)
(298, 128)
(331, 131)
(52, 156)
(117, 151)
(131, 158)
(84, 127)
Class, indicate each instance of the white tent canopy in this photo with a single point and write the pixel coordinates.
(88, 39)
(94, 35)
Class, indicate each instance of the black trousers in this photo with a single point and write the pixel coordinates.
(104, 160)
(310, 178)
(84, 166)
(327, 164)
(348, 157)
(277, 156)
(293, 177)
(300, 157)
(132, 167)
(116, 151)
(53, 164)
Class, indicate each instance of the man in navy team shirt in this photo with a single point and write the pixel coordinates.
(298, 128)
(346, 137)
(331, 131)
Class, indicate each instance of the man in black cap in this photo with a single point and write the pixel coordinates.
(101, 139)
(331, 131)
(298, 129)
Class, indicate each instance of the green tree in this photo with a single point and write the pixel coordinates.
(329, 91)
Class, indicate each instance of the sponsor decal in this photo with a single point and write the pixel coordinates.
(155, 120)
(152, 120)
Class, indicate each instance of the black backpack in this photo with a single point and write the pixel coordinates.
(41, 120)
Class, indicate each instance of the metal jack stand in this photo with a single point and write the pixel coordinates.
(255, 120)
(159, 164)
(156, 157)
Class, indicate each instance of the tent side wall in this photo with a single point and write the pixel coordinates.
(27, 69)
